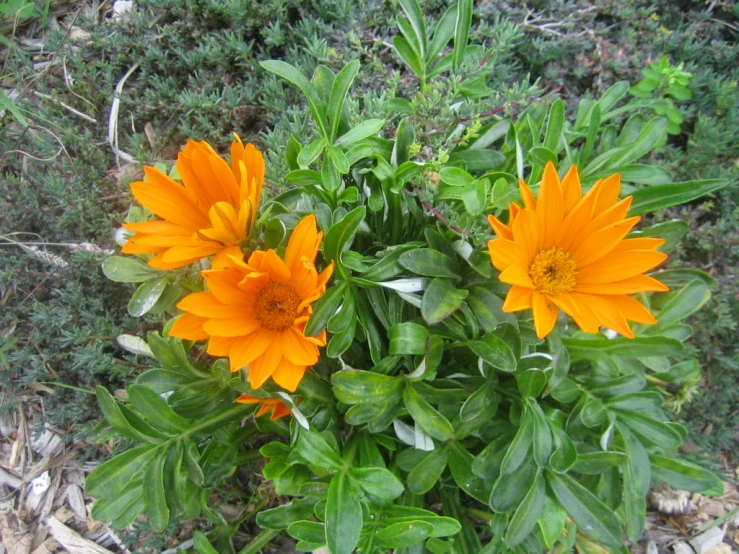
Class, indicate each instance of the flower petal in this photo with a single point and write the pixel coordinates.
(189, 327)
(545, 314)
(288, 375)
(617, 266)
(517, 299)
(246, 349)
(549, 208)
(298, 350)
(262, 367)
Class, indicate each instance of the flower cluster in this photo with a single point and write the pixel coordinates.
(561, 251)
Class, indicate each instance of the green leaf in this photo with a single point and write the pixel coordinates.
(156, 410)
(442, 34)
(565, 454)
(477, 160)
(552, 521)
(510, 488)
(282, 516)
(415, 18)
(114, 414)
(650, 199)
(108, 508)
(404, 534)
(155, 497)
(683, 475)
(309, 531)
(7, 104)
(341, 234)
(129, 270)
(495, 351)
(462, 31)
(611, 96)
(367, 128)
(426, 474)
(202, 544)
(407, 338)
(294, 76)
(341, 341)
(115, 475)
(324, 309)
(555, 125)
(409, 56)
(592, 517)
(598, 462)
(429, 262)
(339, 90)
(314, 448)
(656, 432)
(519, 449)
(528, 513)
(687, 301)
(343, 516)
(460, 465)
(639, 347)
(146, 296)
(531, 382)
(345, 316)
(542, 441)
(440, 300)
(377, 482)
(426, 416)
(354, 386)
(340, 161)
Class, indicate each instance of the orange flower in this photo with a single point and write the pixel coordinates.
(255, 312)
(565, 251)
(275, 405)
(211, 212)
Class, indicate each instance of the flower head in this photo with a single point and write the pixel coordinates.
(255, 311)
(211, 212)
(565, 251)
(275, 405)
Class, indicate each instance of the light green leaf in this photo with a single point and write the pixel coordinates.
(367, 128)
(146, 296)
(377, 482)
(336, 101)
(650, 199)
(683, 475)
(528, 513)
(129, 270)
(462, 31)
(155, 497)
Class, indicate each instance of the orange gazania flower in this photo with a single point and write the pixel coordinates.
(211, 212)
(565, 251)
(275, 405)
(255, 312)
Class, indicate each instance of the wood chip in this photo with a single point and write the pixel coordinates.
(9, 479)
(16, 538)
(72, 540)
(48, 547)
(76, 501)
(704, 542)
(681, 547)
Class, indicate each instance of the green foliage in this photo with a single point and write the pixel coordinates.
(422, 164)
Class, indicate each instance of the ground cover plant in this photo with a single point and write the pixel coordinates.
(421, 370)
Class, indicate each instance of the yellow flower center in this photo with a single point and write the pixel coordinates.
(553, 272)
(277, 306)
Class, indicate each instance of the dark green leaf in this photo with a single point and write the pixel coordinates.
(112, 477)
(156, 410)
(146, 296)
(314, 448)
(592, 517)
(404, 533)
(519, 449)
(309, 531)
(462, 31)
(108, 508)
(598, 462)
(683, 475)
(440, 300)
(509, 489)
(407, 338)
(495, 351)
(343, 516)
(324, 309)
(426, 416)
(155, 497)
(429, 262)
(341, 233)
(426, 474)
(634, 348)
(477, 160)
(528, 513)
(377, 482)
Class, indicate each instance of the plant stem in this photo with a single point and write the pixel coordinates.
(260, 541)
